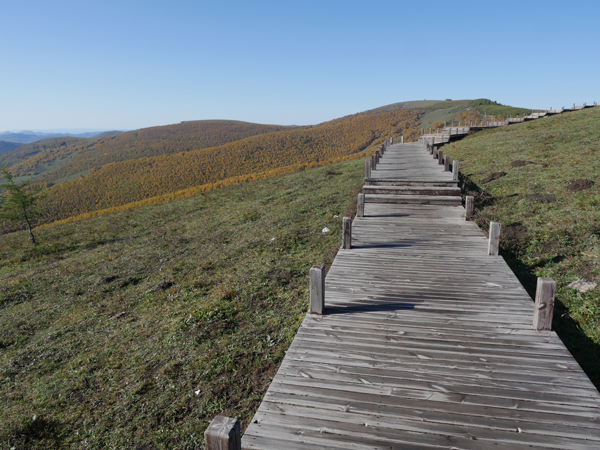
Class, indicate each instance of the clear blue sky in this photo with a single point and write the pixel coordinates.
(108, 64)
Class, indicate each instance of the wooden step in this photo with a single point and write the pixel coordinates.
(414, 199)
(412, 190)
(401, 182)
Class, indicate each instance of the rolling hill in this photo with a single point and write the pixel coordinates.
(6, 146)
(98, 184)
(86, 175)
(86, 154)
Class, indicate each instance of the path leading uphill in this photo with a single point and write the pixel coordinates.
(426, 341)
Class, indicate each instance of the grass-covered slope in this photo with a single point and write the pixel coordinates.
(450, 110)
(134, 329)
(548, 203)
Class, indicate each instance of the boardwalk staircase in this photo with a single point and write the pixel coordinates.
(424, 180)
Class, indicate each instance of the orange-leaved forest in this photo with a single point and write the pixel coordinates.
(118, 183)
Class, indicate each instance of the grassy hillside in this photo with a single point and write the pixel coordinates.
(450, 110)
(129, 181)
(547, 199)
(134, 329)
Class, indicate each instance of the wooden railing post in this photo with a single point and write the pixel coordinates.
(368, 169)
(544, 304)
(446, 163)
(347, 233)
(360, 206)
(469, 201)
(373, 162)
(317, 290)
(402, 139)
(440, 157)
(455, 170)
(494, 239)
(223, 433)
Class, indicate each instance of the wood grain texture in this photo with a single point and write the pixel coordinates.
(544, 304)
(426, 342)
(317, 290)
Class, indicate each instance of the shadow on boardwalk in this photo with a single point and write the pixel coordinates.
(367, 307)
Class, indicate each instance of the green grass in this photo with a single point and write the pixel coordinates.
(133, 330)
(447, 110)
(441, 115)
(559, 238)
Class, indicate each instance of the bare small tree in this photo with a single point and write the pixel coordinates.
(20, 202)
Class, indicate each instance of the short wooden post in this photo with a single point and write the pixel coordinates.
(494, 239)
(446, 163)
(368, 169)
(402, 139)
(441, 157)
(455, 170)
(223, 433)
(435, 152)
(347, 233)
(469, 201)
(544, 304)
(360, 206)
(373, 162)
(317, 290)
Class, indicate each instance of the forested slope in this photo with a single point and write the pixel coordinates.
(55, 159)
(6, 146)
(128, 181)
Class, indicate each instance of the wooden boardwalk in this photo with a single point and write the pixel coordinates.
(446, 134)
(426, 343)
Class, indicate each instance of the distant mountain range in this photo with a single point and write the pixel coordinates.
(27, 137)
